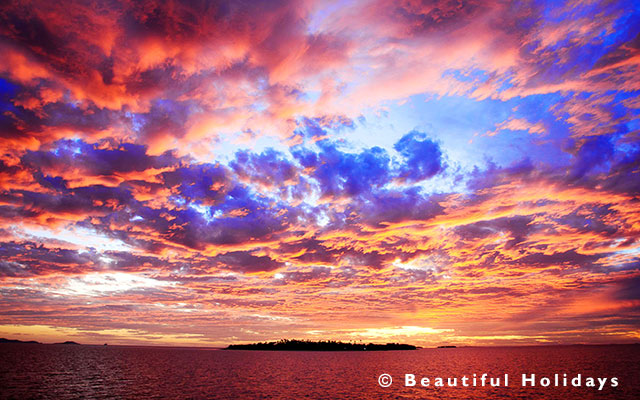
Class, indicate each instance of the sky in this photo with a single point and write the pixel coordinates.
(435, 172)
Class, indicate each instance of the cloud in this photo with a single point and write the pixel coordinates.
(518, 124)
(246, 262)
(271, 168)
(23, 259)
(225, 170)
(341, 174)
(68, 156)
(423, 157)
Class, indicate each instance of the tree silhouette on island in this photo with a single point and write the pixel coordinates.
(322, 345)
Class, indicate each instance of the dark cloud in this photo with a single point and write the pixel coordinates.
(629, 289)
(431, 17)
(206, 183)
(94, 160)
(593, 218)
(493, 175)
(237, 217)
(341, 174)
(243, 261)
(590, 155)
(392, 206)
(270, 168)
(320, 127)
(165, 118)
(518, 228)
(569, 258)
(422, 157)
(624, 174)
(312, 251)
(79, 201)
(29, 259)
(13, 269)
(12, 213)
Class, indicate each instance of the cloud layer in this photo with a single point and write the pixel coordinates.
(206, 173)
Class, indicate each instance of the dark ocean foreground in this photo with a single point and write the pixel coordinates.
(86, 372)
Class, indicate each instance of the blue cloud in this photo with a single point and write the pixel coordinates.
(422, 157)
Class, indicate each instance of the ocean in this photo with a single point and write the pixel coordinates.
(34, 371)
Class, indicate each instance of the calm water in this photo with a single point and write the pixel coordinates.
(61, 372)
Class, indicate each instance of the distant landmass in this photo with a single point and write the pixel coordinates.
(323, 345)
(446, 347)
(3, 340)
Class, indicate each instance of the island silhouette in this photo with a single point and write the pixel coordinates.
(4, 340)
(322, 345)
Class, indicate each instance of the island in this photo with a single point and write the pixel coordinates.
(323, 345)
(4, 340)
(447, 347)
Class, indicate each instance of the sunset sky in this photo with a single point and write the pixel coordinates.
(430, 172)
